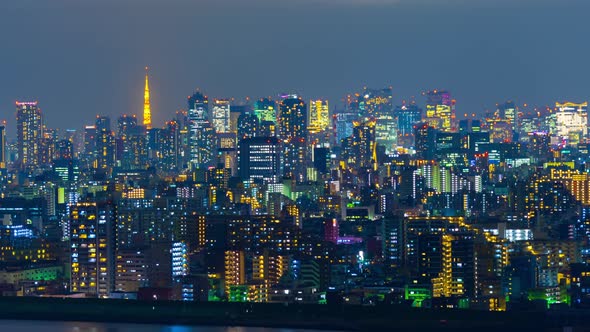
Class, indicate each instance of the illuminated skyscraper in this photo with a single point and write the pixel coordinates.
(259, 159)
(124, 125)
(406, 117)
(371, 102)
(509, 113)
(319, 116)
(3, 171)
(425, 141)
(343, 124)
(266, 110)
(147, 112)
(105, 145)
(440, 110)
(360, 149)
(248, 125)
(29, 122)
(293, 134)
(377, 104)
(2, 147)
(221, 116)
(92, 248)
(202, 135)
(572, 121)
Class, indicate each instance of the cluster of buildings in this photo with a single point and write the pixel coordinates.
(290, 200)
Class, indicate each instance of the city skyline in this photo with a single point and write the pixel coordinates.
(483, 52)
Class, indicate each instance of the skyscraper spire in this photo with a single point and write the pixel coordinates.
(147, 113)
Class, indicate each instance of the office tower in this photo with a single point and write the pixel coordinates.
(248, 125)
(266, 110)
(73, 136)
(235, 112)
(321, 158)
(508, 113)
(201, 133)
(440, 110)
(425, 141)
(293, 134)
(220, 117)
(147, 112)
(64, 150)
(372, 102)
(319, 122)
(540, 145)
(132, 149)
(406, 117)
(319, 116)
(168, 149)
(3, 149)
(571, 122)
(47, 148)
(29, 122)
(343, 124)
(136, 154)
(125, 123)
(89, 152)
(377, 104)
(92, 226)
(105, 145)
(259, 159)
(360, 149)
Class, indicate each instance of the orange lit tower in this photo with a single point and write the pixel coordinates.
(147, 113)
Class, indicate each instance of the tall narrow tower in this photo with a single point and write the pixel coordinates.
(147, 113)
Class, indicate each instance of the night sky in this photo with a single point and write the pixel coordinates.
(80, 58)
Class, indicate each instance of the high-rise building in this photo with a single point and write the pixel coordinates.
(168, 149)
(572, 122)
(220, 116)
(342, 125)
(105, 145)
(248, 125)
(440, 110)
(266, 110)
(2, 147)
(425, 141)
(64, 150)
(125, 125)
(3, 164)
(509, 113)
(259, 159)
(319, 116)
(147, 112)
(360, 149)
(372, 102)
(92, 251)
(201, 135)
(234, 269)
(89, 155)
(29, 122)
(406, 117)
(377, 104)
(293, 135)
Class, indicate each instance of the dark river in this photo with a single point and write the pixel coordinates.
(46, 326)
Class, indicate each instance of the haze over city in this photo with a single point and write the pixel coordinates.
(82, 58)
